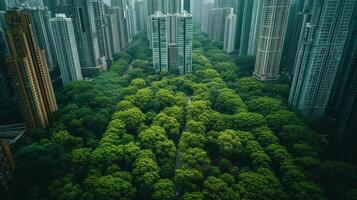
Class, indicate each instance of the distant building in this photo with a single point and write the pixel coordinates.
(5, 83)
(271, 39)
(29, 72)
(206, 9)
(216, 27)
(230, 32)
(141, 15)
(246, 27)
(319, 55)
(196, 10)
(113, 26)
(82, 13)
(255, 27)
(184, 42)
(159, 39)
(66, 48)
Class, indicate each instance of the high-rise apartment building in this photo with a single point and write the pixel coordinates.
(206, 9)
(141, 15)
(29, 72)
(5, 86)
(159, 42)
(319, 55)
(113, 26)
(82, 13)
(184, 42)
(217, 18)
(246, 27)
(271, 39)
(343, 100)
(196, 10)
(255, 27)
(230, 32)
(66, 48)
(40, 17)
(102, 29)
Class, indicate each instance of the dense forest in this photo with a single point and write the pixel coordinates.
(216, 134)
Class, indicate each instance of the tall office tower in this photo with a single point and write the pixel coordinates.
(255, 27)
(66, 48)
(271, 39)
(301, 17)
(114, 33)
(225, 3)
(173, 56)
(343, 98)
(230, 32)
(40, 23)
(29, 72)
(159, 42)
(319, 55)
(34, 3)
(187, 5)
(184, 42)
(141, 15)
(5, 85)
(172, 28)
(7, 165)
(52, 5)
(175, 6)
(131, 22)
(5, 4)
(122, 25)
(217, 19)
(206, 9)
(239, 10)
(196, 10)
(82, 13)
(246, 27)
(102, 29)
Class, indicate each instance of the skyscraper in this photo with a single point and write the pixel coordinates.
(113, 32)
(206, 9)
(29, 72)
(82, 13)
(343, 98)
(319, 55)
(184, 42)
(102, 29)
(230, 32)
(5, 87)
(196, 10)
(216, 27)
(141, 15)
(271, 39)
(159, 42)
(255, 27)
(40, 17)
(66, 48)
(246, 27)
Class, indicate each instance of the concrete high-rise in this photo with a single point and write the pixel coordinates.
(113, 26)
(184, 42)
(255, 27)
(246, 27)
(159, 42)
(82, 13)
(196, 10)
(29, 72)
(66, 48)
(271, 39)
(230, 32)
(319, 55)
(141, 15)
(206, 9)
(343, 100)
(102, 29)
(40, 17)
(217, 19)
(5, 85)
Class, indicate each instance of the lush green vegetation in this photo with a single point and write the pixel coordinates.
(217, 134)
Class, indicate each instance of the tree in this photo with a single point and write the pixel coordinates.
(229, 142)
(246, 121)
(195, 158)
(65, 189)
(146, 172)
(188, 180)
(170, 124)
(229, 102)
(192, 196)
(306, 190)
(190, 140)
(132, 117)
(164, 98)
(217, 189)
(264, 105)
(164, 190)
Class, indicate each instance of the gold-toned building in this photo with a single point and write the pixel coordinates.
(29, 72)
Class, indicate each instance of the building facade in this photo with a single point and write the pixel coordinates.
(319, 55)
(271, 39)
(230, 32)
(184, 42)
(29, 72)
(160, 44)
(66, 48)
